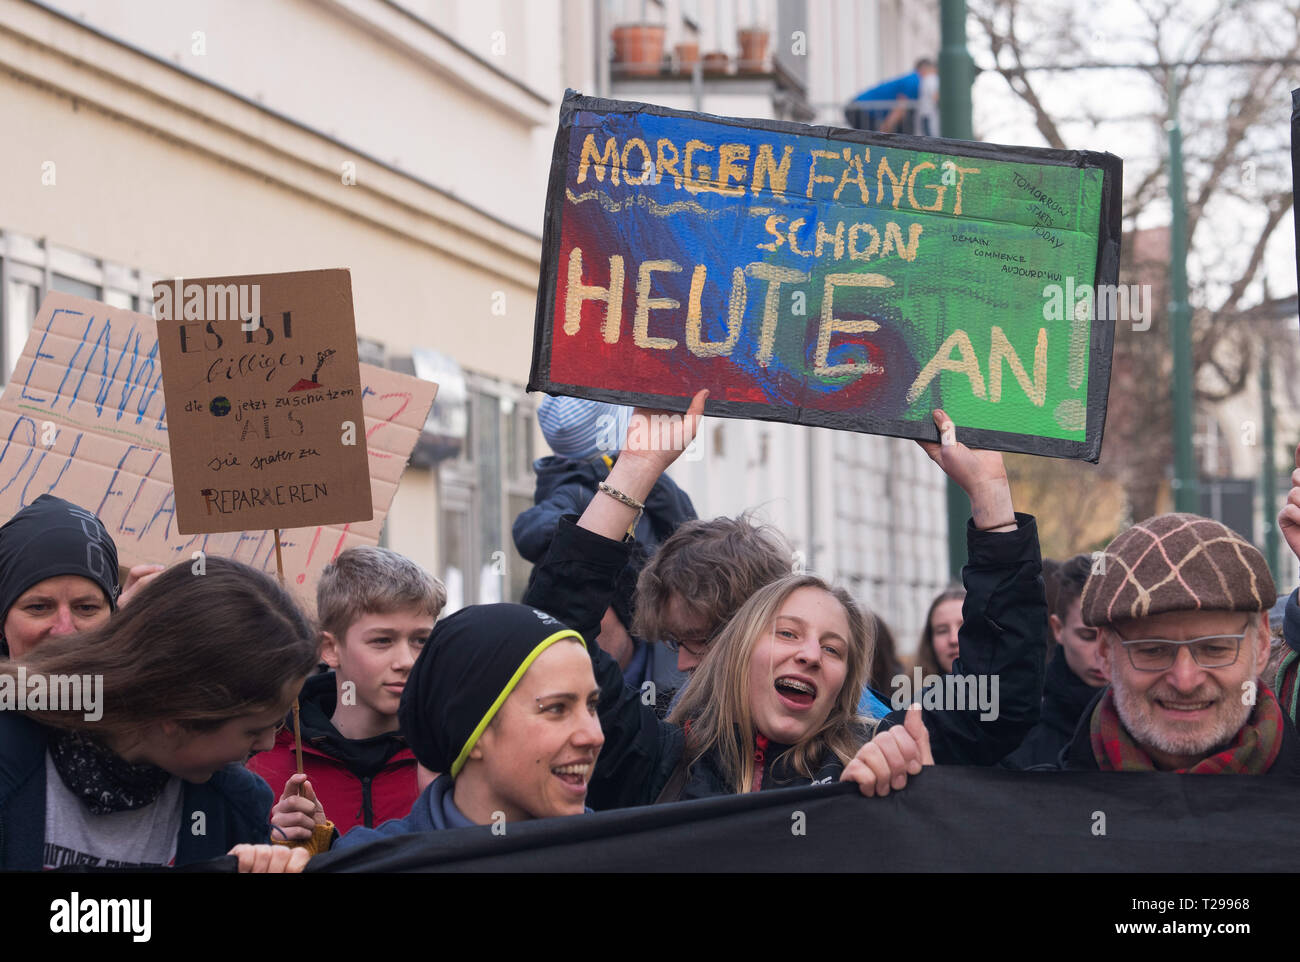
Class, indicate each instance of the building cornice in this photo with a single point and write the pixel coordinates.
(52, 51)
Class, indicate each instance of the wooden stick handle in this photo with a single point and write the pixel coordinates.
(297, 728)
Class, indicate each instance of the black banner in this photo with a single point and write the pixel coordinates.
(950, 819)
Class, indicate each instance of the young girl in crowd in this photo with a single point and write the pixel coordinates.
(773, 703)
(938, 648)
(176, 690)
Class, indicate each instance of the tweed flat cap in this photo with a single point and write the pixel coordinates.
(1176, 562)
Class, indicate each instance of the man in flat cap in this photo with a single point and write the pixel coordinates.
(1181, 603)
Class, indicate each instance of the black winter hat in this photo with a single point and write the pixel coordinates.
(473, 661)
(52, 537)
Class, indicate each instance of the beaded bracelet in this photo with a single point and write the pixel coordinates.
(619, 496)
(628, 500)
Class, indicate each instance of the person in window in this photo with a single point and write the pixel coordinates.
(915, 93)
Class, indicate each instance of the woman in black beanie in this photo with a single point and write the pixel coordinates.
(502, 701)
(58, 574)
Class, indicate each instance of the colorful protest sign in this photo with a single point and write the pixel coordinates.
(83, 417)
(266, 409)
(830, 277)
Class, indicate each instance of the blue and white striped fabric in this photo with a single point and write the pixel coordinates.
(580, 429)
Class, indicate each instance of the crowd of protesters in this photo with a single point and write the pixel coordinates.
(654, 657)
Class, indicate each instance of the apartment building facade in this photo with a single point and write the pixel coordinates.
(410, 141)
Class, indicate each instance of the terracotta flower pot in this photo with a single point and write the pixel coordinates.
(639, 48)
(688, 55)
(716, 62)
(753, 49)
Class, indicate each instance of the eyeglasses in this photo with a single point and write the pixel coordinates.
(698, 646)
(1158, 654)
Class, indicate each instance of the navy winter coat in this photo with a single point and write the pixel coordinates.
(233, 803)
(565, 486)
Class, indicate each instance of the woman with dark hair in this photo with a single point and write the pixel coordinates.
(131, 755)
(938, 648)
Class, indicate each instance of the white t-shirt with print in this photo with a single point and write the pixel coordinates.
(76, 836)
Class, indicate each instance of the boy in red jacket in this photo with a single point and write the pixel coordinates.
(376, 609)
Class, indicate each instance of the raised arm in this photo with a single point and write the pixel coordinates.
(1002, 639)
(576, 581)
(655, 439)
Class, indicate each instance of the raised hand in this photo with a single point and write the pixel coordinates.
(657, 438)
(137, 578)
(1289, 519)
(981, 474)
(886, 761)
(295, 817)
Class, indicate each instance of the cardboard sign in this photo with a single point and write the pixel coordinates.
(83, 417)
(262, 375)
(839, 278)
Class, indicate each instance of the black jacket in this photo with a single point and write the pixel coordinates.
(1003, 635)
(1077, 756)
(1065, 696)
(1005, 619)
(566, 486)
(233, 803)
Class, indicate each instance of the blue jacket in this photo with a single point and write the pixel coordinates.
(565, 487)
(433, 811)
(233, 803)
(429, 813)
(871, 706)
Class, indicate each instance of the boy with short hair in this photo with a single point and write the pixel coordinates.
(376, 609)
(1074, 676)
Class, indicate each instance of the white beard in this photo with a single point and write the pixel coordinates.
(1138, 713)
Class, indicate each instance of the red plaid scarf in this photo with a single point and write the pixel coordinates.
(1252, 751)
